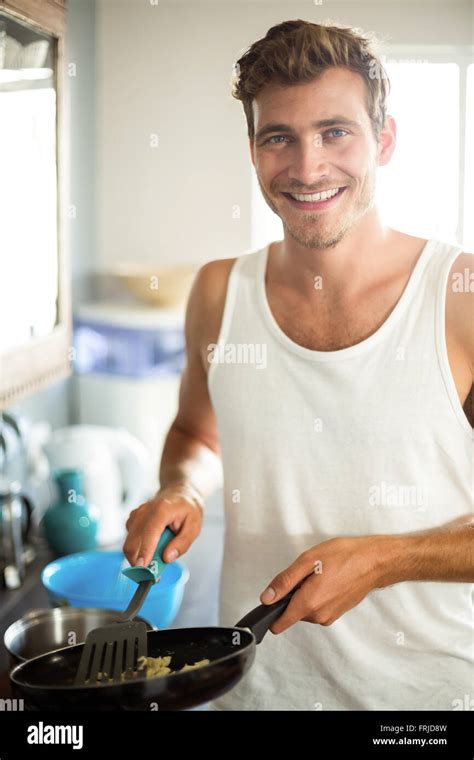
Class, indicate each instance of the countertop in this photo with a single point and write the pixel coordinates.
(5, 692)
(11, 598)
(14, 603)
(200, 602)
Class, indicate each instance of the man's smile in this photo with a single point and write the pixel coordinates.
(315, 201)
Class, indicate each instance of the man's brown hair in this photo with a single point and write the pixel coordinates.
(298, 51)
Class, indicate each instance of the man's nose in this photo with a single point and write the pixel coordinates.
(309, 162)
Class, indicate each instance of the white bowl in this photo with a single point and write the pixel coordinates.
(156, 285)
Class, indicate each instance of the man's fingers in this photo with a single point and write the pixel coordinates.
(189, 531)
(146, 524)
(134, 538)
(150, 535)
(297, 609)
(288, 579)
(130, 549)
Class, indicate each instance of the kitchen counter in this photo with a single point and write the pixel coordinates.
(14, 603)
(5, 691)
(11, 598)
(200, 602)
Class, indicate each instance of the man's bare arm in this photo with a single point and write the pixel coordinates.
(191, 454)
(191, 451)
(337, 575)
(190, 465)
(440, 554)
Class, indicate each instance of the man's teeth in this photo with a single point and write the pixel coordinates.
(316, 196)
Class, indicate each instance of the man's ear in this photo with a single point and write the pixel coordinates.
(387, 141)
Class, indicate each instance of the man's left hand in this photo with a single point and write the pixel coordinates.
(335, 576)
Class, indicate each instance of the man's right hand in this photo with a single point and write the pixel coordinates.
(190, 464)
(178, 507)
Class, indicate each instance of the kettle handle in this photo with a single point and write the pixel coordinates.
(29, 502)
(135, 468)
(14, 572)
(30, 505)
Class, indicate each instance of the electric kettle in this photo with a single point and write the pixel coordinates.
(117, 469)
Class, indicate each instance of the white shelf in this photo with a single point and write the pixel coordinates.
(126, 315)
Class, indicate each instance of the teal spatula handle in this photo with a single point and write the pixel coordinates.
(157, 565)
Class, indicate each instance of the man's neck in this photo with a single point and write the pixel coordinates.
(349, 266)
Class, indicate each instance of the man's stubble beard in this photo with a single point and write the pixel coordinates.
(311, 234)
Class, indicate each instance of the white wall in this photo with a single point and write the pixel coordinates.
(166, 69)
(81, 46)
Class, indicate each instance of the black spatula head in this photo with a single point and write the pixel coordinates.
(111, 653)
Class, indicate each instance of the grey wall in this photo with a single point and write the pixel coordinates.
(82, 87)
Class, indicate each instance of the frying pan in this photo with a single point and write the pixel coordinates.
(47, 682)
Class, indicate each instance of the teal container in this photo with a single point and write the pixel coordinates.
(68, 525)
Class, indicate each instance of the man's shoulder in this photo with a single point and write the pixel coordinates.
(460, 322)
(460, 302)
(214, 274)
(207, 298)
(212, 279)
(462, 272)
(206, 303)
(217, 271)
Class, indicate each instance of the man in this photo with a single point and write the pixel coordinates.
(329, 371)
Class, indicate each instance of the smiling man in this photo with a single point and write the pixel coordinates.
(347, 454)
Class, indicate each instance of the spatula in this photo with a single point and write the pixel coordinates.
(111, 653)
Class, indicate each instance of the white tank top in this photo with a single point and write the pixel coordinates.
(364, 440)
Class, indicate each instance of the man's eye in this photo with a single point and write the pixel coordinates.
(341, 132)
(276, 137)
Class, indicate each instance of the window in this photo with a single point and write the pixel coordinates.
(468, 226)
(418, 191)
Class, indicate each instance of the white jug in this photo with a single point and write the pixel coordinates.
(118, 472)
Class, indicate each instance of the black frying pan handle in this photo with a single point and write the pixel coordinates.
(260, 619)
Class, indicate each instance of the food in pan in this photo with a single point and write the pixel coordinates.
(156, 666)
(197, 664)
(159, 666)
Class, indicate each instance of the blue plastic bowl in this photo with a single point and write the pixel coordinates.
(94, 579)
